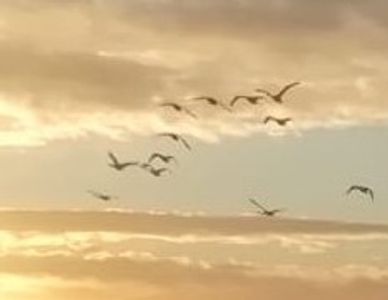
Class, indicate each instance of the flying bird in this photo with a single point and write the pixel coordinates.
(120, 166)
(279, 96)
(157, 172)
(177, 138)
(279, 121)
(251, 99)
(179, 108)
(212, 101)
(101, 196)
(165, 158)
(264, 211)
(362, 189)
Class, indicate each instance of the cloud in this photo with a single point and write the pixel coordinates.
(100, 255)
(107, 63)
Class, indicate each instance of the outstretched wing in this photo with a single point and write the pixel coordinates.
(169, 104)
(113, 158)
(352, 188)
(235, 99)
(166, 134)
(225, 106)
(288, 87)
(268, 119)
(130, 164)
(286, 120)
(257, 204)
(190, 113)
(265, 92)
(185, 143)
(371, 194)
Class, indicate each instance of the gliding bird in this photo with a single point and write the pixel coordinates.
(119, 166)
(101, 196)
(362, 189)
(165, 158)
(279, 121)
(177, 138)
(157, 172)
(279, 96)
(179, 108)
(263, 210)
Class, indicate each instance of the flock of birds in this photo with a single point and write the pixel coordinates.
(261, 95)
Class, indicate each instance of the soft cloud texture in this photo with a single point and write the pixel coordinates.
(110, 58)
(143, 257)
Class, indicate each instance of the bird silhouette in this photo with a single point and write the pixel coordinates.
(263, 211)
(177, 138)
(212, 101)
(279, 96)
(157, 172)
(251, 99)
(362, 189)
(120, 166)
(165, 158)
(179, 108)
(101, 196)
(279, 121)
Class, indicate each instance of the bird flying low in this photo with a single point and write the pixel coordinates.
(362, 189)
(250, 99)
(177, 138)
(212, 101)
(179, 108)
(279, 96)
(101, 196)
(280, 121)
(263, 211)
(120, 166)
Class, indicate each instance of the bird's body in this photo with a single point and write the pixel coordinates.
(279, 121)
(177, 138)
(101, 196)
(212, 101)
(279, 96)
(165, 158)
(263, 211)
(362, 189)
(158, 172)
(250, 99)
(119, 166)
(179, 108)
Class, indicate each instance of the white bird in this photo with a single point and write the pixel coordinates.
(279, 96)
(263, 211)
(119, 166)
(362, 189)
(177, 138)
(179, 108)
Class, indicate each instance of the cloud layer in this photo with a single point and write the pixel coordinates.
(107, 63)
(139, 256)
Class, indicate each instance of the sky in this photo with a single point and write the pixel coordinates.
(80, 78)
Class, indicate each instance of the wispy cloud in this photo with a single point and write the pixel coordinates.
(58, 253)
